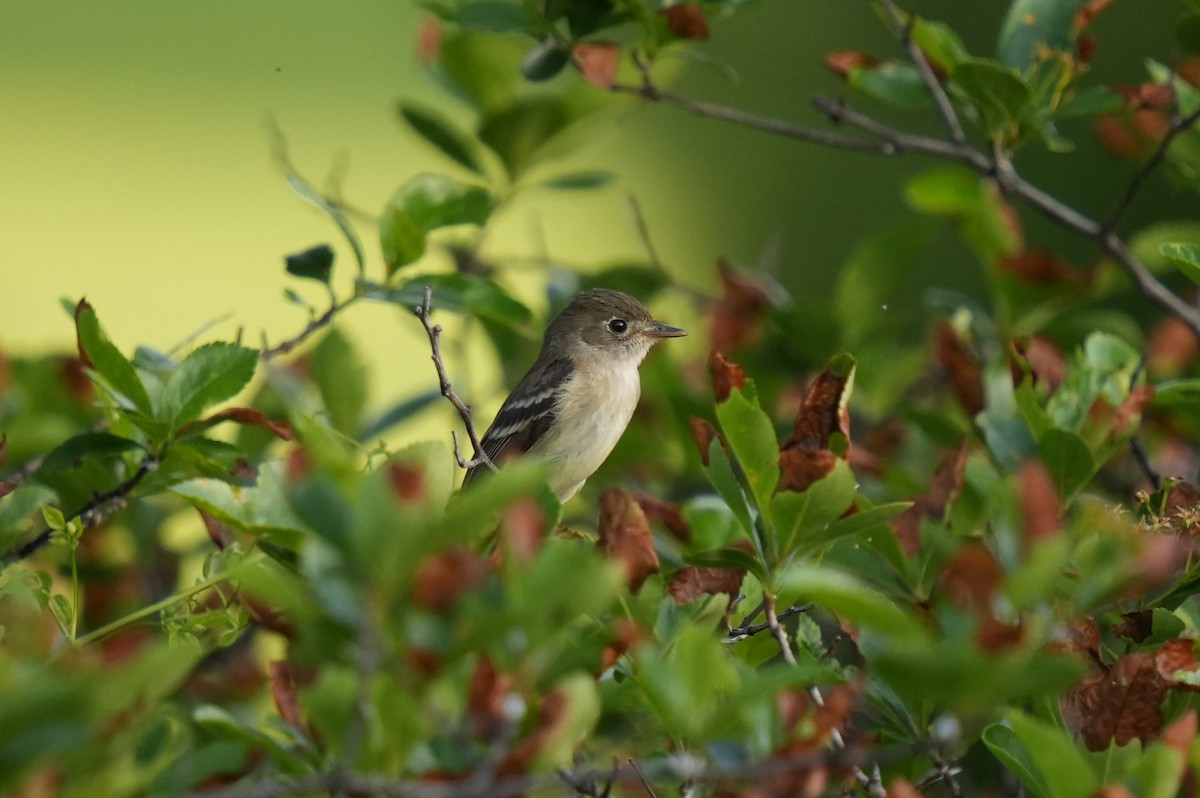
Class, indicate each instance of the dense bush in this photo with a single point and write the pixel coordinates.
(955, 558)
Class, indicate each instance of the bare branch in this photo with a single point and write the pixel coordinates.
(283, 347)
(1179, 125)
(434, 332)
(936, 91)
(92, 514)
(779, 632)
(642, 777)
(749, 630)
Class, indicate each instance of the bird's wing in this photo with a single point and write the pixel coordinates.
(525, 416)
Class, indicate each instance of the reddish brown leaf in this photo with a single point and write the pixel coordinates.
(686, 21)
(947, 482)
(1162, 560)
(821, 413)
(1082, 639)
(666, 513)
(691, 583)
(703, 434)
(8, 486)
(1039, 267)
(269, 617)
(1181, 732)
(407, 482)
(900, 788)
(971, 577)
(1173, 347)
(737, 313)
(843, 62)
(297, 464)
(242, 469)
(1129, 414)
(597, 62)
(287, 702)
(78, 385)
(800, 468)
(994, 636)
(1040, 511)
(249, 416)
(429, 41)
(216, 530)
(443, 577)
(625, 537)
(1121, 705)
(907, 527)
(1113, 791)
(1086, 48)
(1174, 656)
(551, 715)
(955, 358)
(1088, 12)
(1116, 136)
(726, 375)
(625, 635)
(1045, 361)
(522, 531)
(485, 699)
(1137, 626)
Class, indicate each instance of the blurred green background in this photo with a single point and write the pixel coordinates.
(136, 168)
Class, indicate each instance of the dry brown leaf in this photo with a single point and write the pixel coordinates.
(1137, 626)
(1175, 656)
(736, 317)
(407, 482)
(821, 413)
(971, 578)
(1181, 732)
(1172, 348)
(625, 537)
(597, 62)
(1045, 361)
(703, 433)
(686, 21)
(955, 358)
(1088, 12)
(1041, 515)
(666, 513)
(1122, 704)
(522, 531)
(1039, 266)
(689, 584)
(843, 62)
(900, 788)
(486, 697)
(726, 375)
(442, 578)
(800, 468)
(287, 702)
(1129, 414)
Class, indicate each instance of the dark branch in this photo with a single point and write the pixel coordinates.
(283, 347)
(1179, 125)
(94, 512)
(749, 630)
(434, 332)
(940, 98)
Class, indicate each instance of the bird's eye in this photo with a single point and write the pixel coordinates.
(618, 326)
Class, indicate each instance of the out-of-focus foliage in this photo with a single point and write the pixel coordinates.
(934, 551)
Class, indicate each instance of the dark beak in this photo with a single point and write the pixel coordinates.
(659, 330)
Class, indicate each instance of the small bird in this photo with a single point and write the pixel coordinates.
(574, 403)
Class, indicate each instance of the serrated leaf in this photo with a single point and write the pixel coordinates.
(107, 360)
(1001, 94)
(1185, 257)
(315, 263)
(262, 510)
(211, 374)
(442, 134)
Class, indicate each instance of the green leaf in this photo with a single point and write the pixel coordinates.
(442, 134)
(312, 264)
(721, 475)
(845, 594)
(940, 44)
(751, 437)
(863, 521)
(972, 203)
(545, 61)
(262, 510)
(211, 374)
(97, 445)
(895, 84)
(1001, 94)
(341, 378)
(107, 360)
(517, 132)
(1068, 459)
(1043, 757)
(1033, 26)
(307, 192)
(1092, 101)
(728, 557)
(221, 724)
(423, 204)
(802, 518)
(481, 68)
(497, 16)
(1185, 257)
(459, 293)
(580, 181)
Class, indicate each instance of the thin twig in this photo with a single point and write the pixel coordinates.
(643, 229)
(101, 506)
(642, 777)
(1179, 124)
(749, 630)
(434, 332)
(283, 347)
(928, 77)
(779, 632)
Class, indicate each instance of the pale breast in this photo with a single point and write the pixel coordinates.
(592, 414)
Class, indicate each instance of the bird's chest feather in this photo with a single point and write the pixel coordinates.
(592, 413)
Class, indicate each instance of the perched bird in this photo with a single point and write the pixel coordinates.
(573, 405)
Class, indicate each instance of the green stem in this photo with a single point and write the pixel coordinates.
(74, 593)
(158, 606)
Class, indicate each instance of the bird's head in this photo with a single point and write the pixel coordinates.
(602, 323)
